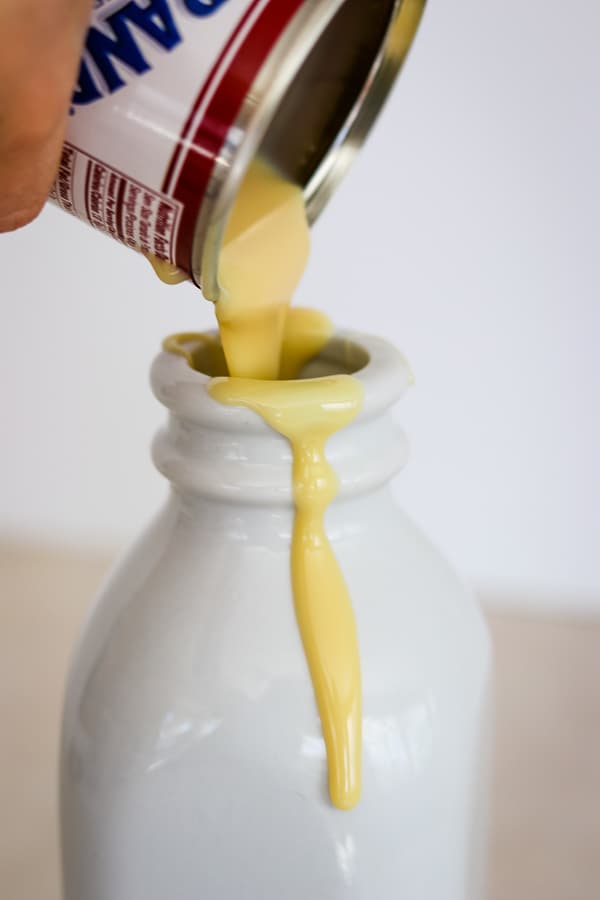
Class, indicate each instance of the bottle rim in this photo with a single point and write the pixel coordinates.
(378, 365)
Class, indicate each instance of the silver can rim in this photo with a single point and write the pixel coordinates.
(264, 99)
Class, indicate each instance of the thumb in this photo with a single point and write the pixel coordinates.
(42, 44)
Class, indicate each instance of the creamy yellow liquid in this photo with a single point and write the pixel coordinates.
(307, 413)
(167, 271)
(265, 251)
(263, 257)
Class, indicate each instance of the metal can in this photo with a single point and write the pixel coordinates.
(175, 98)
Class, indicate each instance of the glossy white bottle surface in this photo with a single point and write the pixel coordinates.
(193, 762)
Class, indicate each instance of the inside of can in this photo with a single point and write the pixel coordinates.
(317, 105)
(329, 105)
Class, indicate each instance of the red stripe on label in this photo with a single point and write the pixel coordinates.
(220, 115)
(209, 80)
(120, 209)
(88, 179)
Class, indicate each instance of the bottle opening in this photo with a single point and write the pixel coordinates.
(204, 354)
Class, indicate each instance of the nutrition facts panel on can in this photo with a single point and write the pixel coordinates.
(116, 204)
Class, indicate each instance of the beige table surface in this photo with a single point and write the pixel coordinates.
(546, 811)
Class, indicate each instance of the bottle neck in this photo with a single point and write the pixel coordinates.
(230, 454)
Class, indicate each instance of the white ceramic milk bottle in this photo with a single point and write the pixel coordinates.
(193, 759)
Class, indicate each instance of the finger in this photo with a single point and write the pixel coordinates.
(38, 68)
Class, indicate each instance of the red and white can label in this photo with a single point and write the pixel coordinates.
(160, 85)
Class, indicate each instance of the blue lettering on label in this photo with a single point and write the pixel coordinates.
(203, 7)
(112, 47)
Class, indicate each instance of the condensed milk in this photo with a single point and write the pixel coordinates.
(266, 344)
(307, 413)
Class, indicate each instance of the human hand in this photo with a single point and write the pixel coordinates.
(39, 59)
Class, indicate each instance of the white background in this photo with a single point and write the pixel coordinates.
(468, 233)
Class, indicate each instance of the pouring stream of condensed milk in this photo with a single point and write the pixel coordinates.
(264, 254)
(266, 344)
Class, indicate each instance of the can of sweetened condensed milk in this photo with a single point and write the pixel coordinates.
(175, 98)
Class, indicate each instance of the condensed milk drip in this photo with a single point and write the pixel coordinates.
(307, 413)
(266, 345)
(167, 271)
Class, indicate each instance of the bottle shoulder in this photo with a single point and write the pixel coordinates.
(192, 612)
